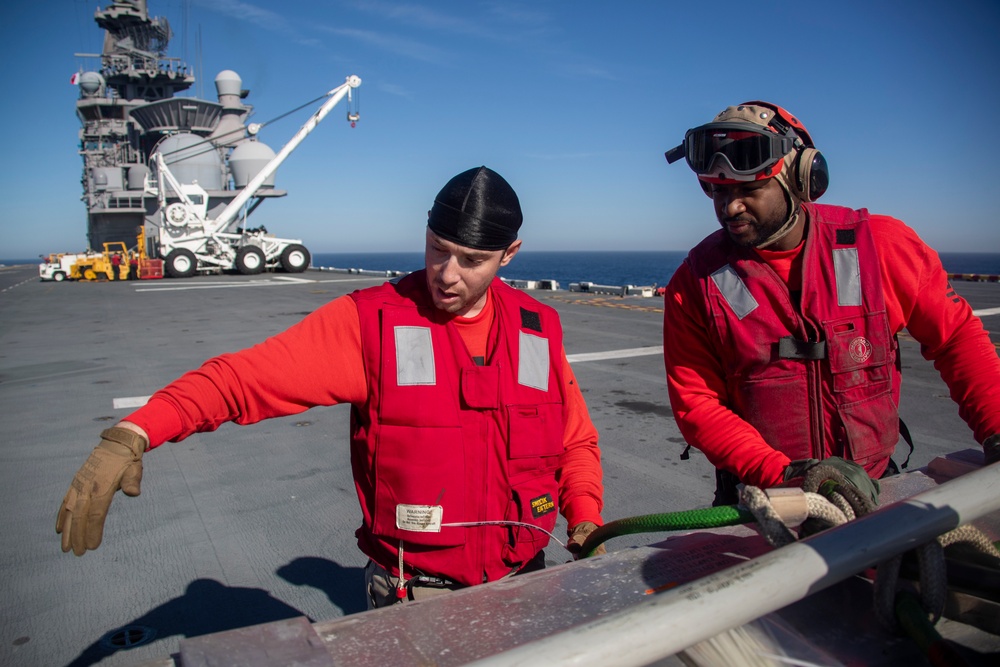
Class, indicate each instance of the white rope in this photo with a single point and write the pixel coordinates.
(823, 509)
(774, 529)
(970, 535)
(473, 524)
(834, 511)
(841, 504)
(771, 526)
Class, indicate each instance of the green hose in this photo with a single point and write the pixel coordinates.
(711, 517)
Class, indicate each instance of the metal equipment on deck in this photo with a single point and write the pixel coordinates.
(189, 172)
(809, 602)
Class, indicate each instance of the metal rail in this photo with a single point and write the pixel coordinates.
(674, 620)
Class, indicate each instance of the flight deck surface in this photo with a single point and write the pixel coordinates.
(255, 524)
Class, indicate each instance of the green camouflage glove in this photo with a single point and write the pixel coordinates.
(116, 463)
(856, 475)
(798, 468)
(853, 473)
(991, 448)
(578, 535)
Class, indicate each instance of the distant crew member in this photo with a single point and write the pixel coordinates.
(116, 266)
(465, 411)
(779, 331)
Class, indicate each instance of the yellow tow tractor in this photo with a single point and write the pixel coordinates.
(102, 266)
(149, 269)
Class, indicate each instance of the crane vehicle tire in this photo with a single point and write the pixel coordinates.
(58, 276)
(181, 263)
(295, 258)
(250, 260)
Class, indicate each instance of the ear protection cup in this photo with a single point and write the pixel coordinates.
(811, 175)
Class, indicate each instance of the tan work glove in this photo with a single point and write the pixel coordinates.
(116, 463)
(578, 535)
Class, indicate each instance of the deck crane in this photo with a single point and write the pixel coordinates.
(190, 241)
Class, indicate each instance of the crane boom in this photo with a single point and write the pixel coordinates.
(189, 241)
(229, 213)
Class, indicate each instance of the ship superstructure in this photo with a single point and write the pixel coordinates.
(130, 110)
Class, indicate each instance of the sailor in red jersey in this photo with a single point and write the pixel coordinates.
(780, 329)
(468, 433)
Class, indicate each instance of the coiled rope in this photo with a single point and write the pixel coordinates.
(845, 503)
(832, 501)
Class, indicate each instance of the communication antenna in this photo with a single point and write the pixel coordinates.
(184, 30)
(198, 64)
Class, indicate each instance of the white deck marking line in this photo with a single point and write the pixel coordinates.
(615, 354)
(347, 280)
(260, 283)
(138, 401)
(292, 279)
(129, 402)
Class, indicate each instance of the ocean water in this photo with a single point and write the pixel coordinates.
(971, 262)
(603, 268)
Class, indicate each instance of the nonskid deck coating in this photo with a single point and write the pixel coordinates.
(253, 524)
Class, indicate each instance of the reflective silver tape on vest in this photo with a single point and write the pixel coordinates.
(414, 356)
(533, 361)
(848, 271)
(734, 291)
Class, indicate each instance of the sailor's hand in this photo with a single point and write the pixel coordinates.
(851, 472)
(578, 535)
(991, 448)
(116, 463)
(798, 468)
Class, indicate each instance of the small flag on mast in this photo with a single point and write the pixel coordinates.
(75, 79)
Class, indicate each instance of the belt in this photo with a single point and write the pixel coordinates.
(426, 581)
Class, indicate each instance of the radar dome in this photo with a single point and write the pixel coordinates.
(192, 159)
(91, 83)
(247, 160)
(228, 82)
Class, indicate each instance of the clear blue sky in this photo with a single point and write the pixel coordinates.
(573, 102)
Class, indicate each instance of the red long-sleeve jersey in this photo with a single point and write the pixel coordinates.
(918, 298)
(319, 362)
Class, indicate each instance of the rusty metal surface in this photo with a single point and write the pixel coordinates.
(290, 643)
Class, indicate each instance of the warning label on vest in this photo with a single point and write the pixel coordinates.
(419, 518)
(542, 505)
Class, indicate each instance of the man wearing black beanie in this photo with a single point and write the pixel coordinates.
(468, 429)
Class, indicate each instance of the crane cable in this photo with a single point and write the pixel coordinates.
(209, 146)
